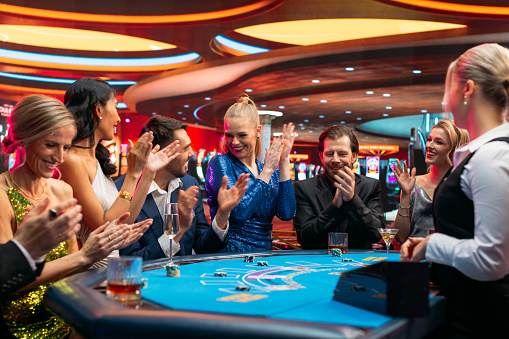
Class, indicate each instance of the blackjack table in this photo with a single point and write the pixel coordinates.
(271, 294)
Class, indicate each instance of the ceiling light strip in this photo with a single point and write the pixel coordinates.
(60, 80)
(140, 19)
(238, 46)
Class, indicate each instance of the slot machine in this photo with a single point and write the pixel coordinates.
(292, 171)
(123, 158)
(390, 178)
(318, 170)
(310, 170)
(373, 167)
(199, 163)
(356, 168)
(301, 174)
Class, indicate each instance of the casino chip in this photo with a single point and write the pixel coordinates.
(346, 259)
(220, 274)
(172, 271)
(249, 258)
(336, 252)
(243, 288)
(262, 263)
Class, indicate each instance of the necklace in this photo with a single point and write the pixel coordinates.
(25, 193)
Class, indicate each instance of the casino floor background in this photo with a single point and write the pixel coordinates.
(377, 66)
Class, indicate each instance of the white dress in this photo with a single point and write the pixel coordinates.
(107, 193)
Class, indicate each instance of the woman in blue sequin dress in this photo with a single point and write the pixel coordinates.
(269, 190)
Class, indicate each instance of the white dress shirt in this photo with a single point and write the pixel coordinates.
(485, 180)
(160, 197)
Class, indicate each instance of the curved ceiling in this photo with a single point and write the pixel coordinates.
(363, 71)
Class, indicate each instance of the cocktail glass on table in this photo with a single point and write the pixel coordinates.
(123, 276)
(388, 235)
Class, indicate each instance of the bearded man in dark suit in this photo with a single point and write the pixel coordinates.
(338, 200)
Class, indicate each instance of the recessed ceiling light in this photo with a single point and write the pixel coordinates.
(301, 124)
(306, 120)
(349, 69)
(424, 111)
(186, 106)
(303, 128)
(386, 94)
(263, 105)
(315, 81)
(348, 112)
(127, 120)
(154, 113)
(310, 131)
(305, 99)
(370, 92)
(323, 100)
(179, 112)
(207, 98)
(388, 107)
(386, 115)
(416, 71)
(184, 118)
(342, 122)
(281, 107)
(249, 90)
(359, 118)
(321, 116)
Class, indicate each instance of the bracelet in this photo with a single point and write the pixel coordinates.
(125, 195)
(405, 208)
(403, 215)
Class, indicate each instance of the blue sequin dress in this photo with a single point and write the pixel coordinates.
(251, 220)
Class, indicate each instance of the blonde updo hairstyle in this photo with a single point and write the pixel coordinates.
(245, 108)
(487, 65)
(457, 136)
(34, 117)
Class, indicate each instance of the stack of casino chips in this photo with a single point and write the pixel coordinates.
(336, 252)
(172, 270)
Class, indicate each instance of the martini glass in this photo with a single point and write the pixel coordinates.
(388, 235)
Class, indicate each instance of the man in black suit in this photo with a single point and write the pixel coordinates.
(23, 256)
(338, 200)
(173, 183)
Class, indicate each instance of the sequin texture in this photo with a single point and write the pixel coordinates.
(23, 312)
(251, 220)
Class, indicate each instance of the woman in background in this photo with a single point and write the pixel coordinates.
(470, 251)
(40, 133)
(269, 192)
(415, 212)
(88, 168)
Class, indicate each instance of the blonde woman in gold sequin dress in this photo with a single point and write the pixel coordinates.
(40, 134)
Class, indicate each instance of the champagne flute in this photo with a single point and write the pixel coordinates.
(171, 223)
(388, 235)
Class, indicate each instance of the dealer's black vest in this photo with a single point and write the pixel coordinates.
(453, 214)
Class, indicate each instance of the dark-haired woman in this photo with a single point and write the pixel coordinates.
(88, 167)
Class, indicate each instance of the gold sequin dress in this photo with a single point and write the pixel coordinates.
(23, 312)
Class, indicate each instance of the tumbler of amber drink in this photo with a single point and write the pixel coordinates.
(123, 276)
(338, 240)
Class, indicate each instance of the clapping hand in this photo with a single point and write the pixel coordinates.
(227, 199)
(187, 201)
(273, 155)
(137, 155)
(345, 183)
(159, 158)
(406, 181)
(288, 138)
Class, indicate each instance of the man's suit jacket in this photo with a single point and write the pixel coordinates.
(317, 215)
(199, 236)
(15, 271)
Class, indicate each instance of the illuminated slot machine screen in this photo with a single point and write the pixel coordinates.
(310, 171)
(318, 170)
(301, 174)
(292, 171)
(356, 168)
(390, 178)
(123, 158)
(199, 163)
(373, 167)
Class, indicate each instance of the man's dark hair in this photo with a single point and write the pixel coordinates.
(163, 129)
(336, 132)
